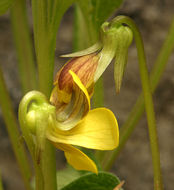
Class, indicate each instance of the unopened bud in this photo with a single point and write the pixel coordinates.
(125, 37)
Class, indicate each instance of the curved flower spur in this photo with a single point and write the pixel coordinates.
(68, 120)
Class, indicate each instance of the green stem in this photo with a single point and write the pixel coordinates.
(12, 128)
(138, 109)
(23, 44)
(49, 181)
(39, 181)
(1, 185)
(42, 45)
(158, 185)
(45, 61)
(98, 97)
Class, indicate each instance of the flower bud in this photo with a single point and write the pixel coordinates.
(125, 37)
(115, 41)
(84, 67)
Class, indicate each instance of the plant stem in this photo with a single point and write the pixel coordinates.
(45, 61)
(1, 185)
(98, 97)
(45, 159)
(12, 128)
(23, 44)
(39, 181)
(158, 185)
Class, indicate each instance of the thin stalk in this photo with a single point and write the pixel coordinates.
(22, 37)
(138, 109)
(49, 167)
(39, 181)
(45, 63)
(158, 185)
(1, 185)
(98, 97)
(12, 128)
(45, 160)
(42, 46)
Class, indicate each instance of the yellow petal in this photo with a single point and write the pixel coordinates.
(80, 85)
(70, 114)
(98, 130)
(77, 158)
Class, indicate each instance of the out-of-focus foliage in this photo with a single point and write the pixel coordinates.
(5, 5)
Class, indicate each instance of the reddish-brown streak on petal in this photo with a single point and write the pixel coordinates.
(84, 67)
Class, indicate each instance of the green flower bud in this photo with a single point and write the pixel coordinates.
(34, 111)
(115, 41)
(125, 37)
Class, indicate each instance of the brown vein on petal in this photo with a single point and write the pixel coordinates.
(84, 67)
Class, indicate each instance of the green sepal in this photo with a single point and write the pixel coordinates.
(109, 40)
(96, 47)
(116, 40)
(125, 37)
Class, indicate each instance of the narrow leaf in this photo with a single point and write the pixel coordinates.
(98, 11)
(104, 9)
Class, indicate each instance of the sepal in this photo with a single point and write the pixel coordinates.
(96, 47)
(125, 37)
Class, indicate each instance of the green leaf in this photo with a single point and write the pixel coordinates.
(66, 176)
(102, 181)
(103, 9)
(90, 14)
(98, 10)
(5, 5)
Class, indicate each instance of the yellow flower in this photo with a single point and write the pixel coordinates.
(75, 124)
(69, 120)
